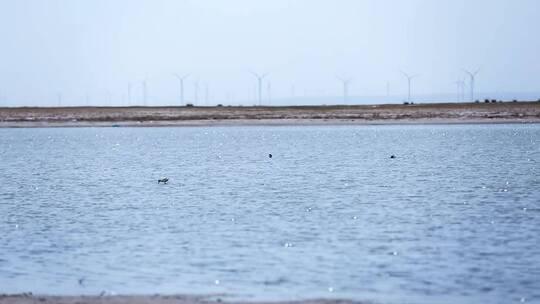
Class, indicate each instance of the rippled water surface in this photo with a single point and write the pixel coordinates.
(455, 218)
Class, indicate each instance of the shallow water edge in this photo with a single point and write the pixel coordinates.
(148, 299)
(265, 122)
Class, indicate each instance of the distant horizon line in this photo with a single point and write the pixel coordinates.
(484, 101)
(292, 101)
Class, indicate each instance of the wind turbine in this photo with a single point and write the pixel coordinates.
(196, 86)
(230, 97)
(346, 82)
(144, 92)
(460, 93)
(108, 95)
(130, 85)
(472, 76)
(206, 94)
(181, 80)
(409, 78)
(269, 89)
(260, 78)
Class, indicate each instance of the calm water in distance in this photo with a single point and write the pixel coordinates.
(455, 218)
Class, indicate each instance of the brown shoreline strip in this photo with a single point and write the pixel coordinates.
(508, 112)
(276, 122)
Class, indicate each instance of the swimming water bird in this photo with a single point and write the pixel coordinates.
(163, 180)
(270, 155)
(392, 156)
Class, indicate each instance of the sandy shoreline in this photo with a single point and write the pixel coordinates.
(154, 299)
(451, 113)
(283, 122)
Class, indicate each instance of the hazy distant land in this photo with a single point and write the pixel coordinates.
(499, 112)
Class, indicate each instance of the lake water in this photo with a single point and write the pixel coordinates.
(455, 218)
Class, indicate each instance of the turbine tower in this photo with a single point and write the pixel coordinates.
(260, 78)
(409, 78)
(181, 81)
(144, 92)
(129, 93)
(269, 89)
(346, 82)
(472, 76)
(206, 94)
(108, 95)
(460, 90)
(196, 87)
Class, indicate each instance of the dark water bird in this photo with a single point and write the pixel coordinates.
(81, 281)
(392, 156)
(164, 180)
(270, 155)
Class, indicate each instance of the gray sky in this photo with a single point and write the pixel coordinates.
(95, 47)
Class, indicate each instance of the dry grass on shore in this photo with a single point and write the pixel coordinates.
(73, 116)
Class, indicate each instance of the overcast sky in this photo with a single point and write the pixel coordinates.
(88, 50)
